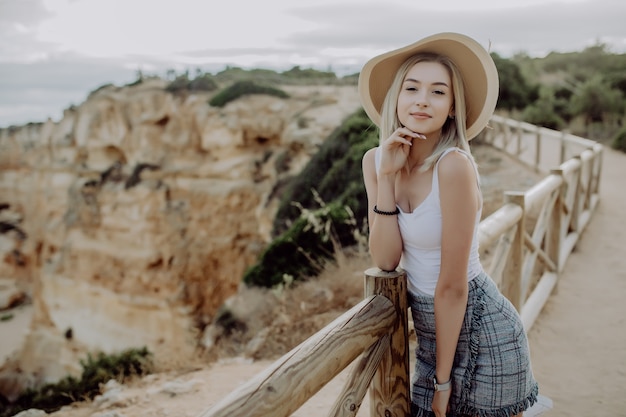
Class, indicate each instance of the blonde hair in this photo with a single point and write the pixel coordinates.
(453, 131)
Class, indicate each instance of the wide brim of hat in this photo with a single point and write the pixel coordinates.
(479, 73)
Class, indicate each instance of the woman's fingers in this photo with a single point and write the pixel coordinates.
(396, 149)
(407, 135)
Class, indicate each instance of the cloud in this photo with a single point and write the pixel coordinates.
(26, 12)
(536, 29)
(40, 74)
(18, 23)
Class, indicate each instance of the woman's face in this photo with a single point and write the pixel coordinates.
(426, 98)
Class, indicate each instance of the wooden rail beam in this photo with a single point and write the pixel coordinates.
(287, 384)
(496, 224)
(350, 399)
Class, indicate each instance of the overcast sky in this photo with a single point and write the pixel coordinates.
(54, 52)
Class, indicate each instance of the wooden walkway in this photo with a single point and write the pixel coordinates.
(579, 339)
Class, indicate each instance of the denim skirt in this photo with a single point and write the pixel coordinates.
(491, 374)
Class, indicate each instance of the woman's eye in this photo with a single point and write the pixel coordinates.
(439, 92)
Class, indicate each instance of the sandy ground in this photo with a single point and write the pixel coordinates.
(578, 343)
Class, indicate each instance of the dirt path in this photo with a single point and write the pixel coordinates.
(578, 343)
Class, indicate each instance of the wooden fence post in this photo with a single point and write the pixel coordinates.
(597, 164)
(577, 201)
(390, 389)
(555, 235)
(512, 277)
(563, 146)
(537, 148)
(520, 132)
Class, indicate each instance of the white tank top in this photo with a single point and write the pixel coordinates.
(421, 232)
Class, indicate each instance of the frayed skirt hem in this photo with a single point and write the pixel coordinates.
(470, 411)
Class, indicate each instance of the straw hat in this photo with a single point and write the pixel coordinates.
(479, 73)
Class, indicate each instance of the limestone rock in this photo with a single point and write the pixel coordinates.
(135, 216)
(10, 295)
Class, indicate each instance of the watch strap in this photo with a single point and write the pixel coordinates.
(442, 387)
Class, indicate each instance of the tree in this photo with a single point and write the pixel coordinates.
(543, 111)
(515, 92)
(595, 99)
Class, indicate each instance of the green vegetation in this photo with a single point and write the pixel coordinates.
(584, 92)
(515, 91)
(619, 142)
(96, 371)
(543, 111)
(297, 73)
(309, 232)
(244, 88)
(293, 76)
(334, 173)
(302, 251)
(202, 82)
(596, 100)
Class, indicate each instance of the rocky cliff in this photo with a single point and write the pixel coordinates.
(129, 221)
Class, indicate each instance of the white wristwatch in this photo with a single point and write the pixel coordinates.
(442, 387)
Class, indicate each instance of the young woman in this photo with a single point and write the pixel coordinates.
(429, 99)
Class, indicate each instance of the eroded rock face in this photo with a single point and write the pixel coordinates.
(133, 218)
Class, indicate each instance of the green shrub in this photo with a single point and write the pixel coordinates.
(204, 82)
(542, 112)
(303, 249)
(539, 115)
(308, 231)
(180, 83)
(244, 88)
(309, 74)
(515, 91)
(233, 74)
(619, 142)
(96, 371)
(334, 172)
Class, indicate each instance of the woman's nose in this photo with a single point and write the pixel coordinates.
(421, 98)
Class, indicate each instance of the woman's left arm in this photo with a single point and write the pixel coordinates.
(460, 200)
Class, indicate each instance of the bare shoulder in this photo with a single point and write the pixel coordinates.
(455, 165)
(370, 153)
(369, 159)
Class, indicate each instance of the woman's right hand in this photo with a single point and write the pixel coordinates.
(396, 149)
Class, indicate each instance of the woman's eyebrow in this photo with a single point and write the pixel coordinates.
(417, 81)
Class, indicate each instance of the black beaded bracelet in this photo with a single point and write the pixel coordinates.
(386, 213)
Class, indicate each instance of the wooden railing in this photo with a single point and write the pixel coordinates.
(524, 246)
(376, 329)
(531, 236)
